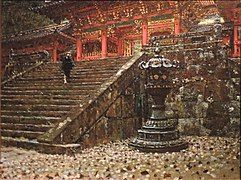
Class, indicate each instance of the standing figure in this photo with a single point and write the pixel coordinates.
(11, 53)
(67, 66)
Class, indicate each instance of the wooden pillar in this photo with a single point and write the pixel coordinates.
(132, 47)
(144, 32)
(120, 46)
(235, 39)
(55, 52)
(177, 25)
(103, 43)
(79, 49)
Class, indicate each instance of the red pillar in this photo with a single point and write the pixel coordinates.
(55, 53)
(144, 32)
(103, 43)
(132, 47)
(177, 25)
(235, 39)
(120, 46)
(79, 49)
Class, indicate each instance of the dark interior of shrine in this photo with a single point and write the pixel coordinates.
(153, 91)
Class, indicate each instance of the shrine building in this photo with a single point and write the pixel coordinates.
(100, 29)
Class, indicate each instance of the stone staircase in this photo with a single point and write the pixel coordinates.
(34, 103)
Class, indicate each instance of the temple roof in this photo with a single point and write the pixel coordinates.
(85, 15)
(37, 33)
(52, 8)
(90, 14)
(58, 10)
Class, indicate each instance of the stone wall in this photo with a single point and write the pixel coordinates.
(210, 106)
(120, 121)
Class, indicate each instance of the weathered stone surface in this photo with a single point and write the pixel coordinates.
(129, 127)
(128, 106)
(115, 126)
(109, 129)
(232, 128)
(217, 118)
(189, 126)
(205, 118)
(115, 109)
(42, 147)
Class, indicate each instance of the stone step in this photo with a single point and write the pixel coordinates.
(43, 89)
(61, 81)
(96, 69)
(73, 74)
(34, 113)
(26, 127)
(45, 92)
(57, 70)
(80, 70)
(81, 77)
(45, 120)
(39, 97)
(56, 82)
(69, 149)
(46, 78)
(47, 87)
(42, 101)
(87, 64)
(18, 133)
(34, 107)
(99, 61)
(90, 64)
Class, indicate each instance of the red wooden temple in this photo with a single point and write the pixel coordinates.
(101, 29)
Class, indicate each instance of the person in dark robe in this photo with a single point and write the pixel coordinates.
(11, 54)
(67, 66)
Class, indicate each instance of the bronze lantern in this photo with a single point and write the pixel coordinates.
(159, 133)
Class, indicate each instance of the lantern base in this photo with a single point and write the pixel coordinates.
(159, 147)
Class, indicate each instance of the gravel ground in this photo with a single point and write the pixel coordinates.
(206, 158)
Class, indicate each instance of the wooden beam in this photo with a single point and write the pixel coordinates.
(124, 19)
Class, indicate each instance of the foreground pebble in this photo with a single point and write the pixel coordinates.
(206, 158)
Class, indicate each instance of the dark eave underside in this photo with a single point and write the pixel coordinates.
(36, 33)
